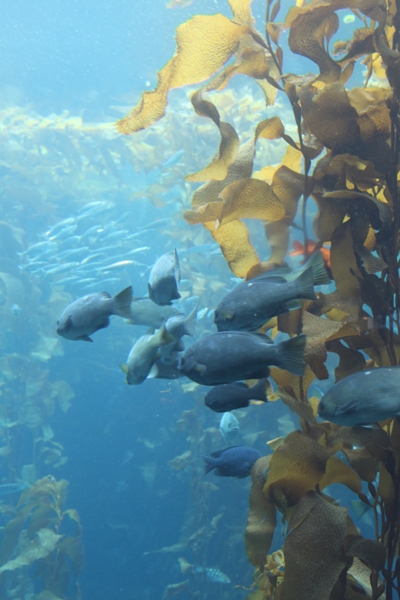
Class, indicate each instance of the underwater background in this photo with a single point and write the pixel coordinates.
(75, 192)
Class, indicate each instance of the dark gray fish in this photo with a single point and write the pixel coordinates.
(229, 396)
(363, 398)
(252, 303)
(226, 357)
(236, 461)
(146, 312)
(164, 279)
(91, 313)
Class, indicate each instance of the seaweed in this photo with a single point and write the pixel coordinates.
(345, 159)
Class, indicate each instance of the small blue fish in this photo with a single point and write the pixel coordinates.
(236, 461)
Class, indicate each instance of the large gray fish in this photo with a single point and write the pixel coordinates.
(226, 357)
(180, 325)
(363, 398)
(144, 354)
(91, 313)
(146, 312)
(164, 279)
(252, 303)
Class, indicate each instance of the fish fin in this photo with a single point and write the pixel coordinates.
(122, 303)
(305, 283)
(68, 323)
(199, 368)
(190, 324)
(217, 453)
(124, 368)
(240, 384)
(151, 293)
(105, 323)
(105, 294)
(293, 304)
(209, 464)
(165, 337)
(85, 338)
(177, 269)
(154, 371)
(298, 248)
(316, 263)
(346, 408)
(291, 353)
(259, 391)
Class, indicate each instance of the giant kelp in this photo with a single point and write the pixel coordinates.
(344, 158)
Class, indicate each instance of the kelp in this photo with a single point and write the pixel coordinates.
(345, 159)
(37, 535)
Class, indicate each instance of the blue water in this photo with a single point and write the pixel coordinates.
(64, 59)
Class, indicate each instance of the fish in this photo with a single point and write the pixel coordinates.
(363, 398)
(229, 396)
(144, 354)
(13, 488)
(226, 357)
(229, 426)
(91, 313)
(60, 225)
(118, 265)
(298, 250)
(212, 574)
(235, 461)
(180, 325)
(164, 279)
(252, 303)
(169, 353)
(146, 312)
(173, 159)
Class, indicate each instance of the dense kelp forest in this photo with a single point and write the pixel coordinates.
(345, 160)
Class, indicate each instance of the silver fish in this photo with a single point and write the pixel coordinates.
(229, 426)
(144, 354)
(180, 325)
(146, 312)
(91, 313)
(363, 398)
(164, 279)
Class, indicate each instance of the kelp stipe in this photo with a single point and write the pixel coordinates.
(345, 159)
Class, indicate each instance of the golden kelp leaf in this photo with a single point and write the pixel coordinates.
(371, 552)
(362, 462)
(218, 169)
(361, 43)
(338, 472)
(240, 168)
(376, 441)
(313, 549)
(309, 35)
(270, 129)
(251, 199)
(204, 213)
(242, 12)
(289, 186)
(295, 468)
(343, 262)
(251, 60)
(386, 491)
(350, 362)
(371, 8)
(319, 331)
(330, 216)
(204, 44)
(378, 212)
(302, 409)
(44, 542)
(372, 264)
(72, 546)
(329, 116)
(288, 381)
(234, 241)
(261, 521)
(277, 234)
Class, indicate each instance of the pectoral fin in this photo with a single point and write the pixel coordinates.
(85, 338)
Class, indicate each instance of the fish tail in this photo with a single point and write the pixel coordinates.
(291, 353)
(316, 263)
(165, 337)
(190, 325)
(259, 391)
(305, 283)
(209, 464)
(122, 303)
